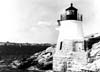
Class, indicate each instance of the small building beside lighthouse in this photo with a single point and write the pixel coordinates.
(70, 54)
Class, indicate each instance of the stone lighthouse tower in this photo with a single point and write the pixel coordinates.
(70, 45)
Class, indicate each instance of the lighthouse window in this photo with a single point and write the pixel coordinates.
(61, 45)
(70, 12)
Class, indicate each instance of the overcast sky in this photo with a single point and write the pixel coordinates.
(35, 21)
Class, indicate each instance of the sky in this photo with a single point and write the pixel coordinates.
(35, 21)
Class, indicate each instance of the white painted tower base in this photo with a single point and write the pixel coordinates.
(70, 30)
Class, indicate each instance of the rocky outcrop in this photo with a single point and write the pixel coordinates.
(93, 53)
(91, 39)
(39, 61)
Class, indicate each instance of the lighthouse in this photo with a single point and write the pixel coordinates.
(69, 52)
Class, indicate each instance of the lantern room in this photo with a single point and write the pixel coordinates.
(71, 13)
